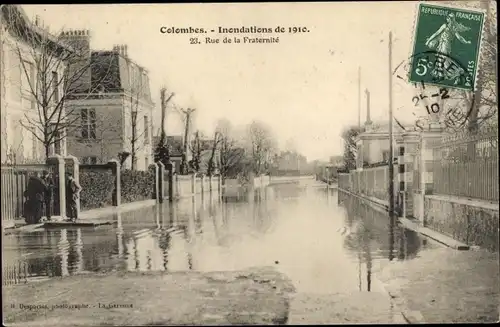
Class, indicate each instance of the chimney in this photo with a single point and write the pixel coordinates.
(368, 119)
(121, 49)
(79, 40)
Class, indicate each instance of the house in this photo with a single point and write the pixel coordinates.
(22, 43)
(175, 145)
(112, 107)
(290, 163)
(337, 161)
(373, 144)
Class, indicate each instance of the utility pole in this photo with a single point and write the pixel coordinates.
(187, 114)
(164, 102)
(359, 98)
(391, 155)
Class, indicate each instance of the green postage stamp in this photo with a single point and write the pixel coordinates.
(446, 46)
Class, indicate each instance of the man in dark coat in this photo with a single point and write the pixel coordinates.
(36, 193)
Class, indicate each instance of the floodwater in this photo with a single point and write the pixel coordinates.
(324, 241)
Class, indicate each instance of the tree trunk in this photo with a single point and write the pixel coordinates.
(186, 133)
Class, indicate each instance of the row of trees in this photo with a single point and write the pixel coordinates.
(231, 152)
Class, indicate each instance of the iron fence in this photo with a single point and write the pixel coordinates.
(466, 165)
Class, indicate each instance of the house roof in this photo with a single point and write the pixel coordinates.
(17, 23)
(111, 72)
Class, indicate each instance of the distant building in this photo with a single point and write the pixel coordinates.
(337, 161)
(19, 47)
(290, 163)
(373, 144)
(113, 108)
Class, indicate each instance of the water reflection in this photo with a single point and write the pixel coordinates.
(322, 239)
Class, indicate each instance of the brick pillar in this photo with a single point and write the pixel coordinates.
(74, 165)
(161, 181)
(117, 192)
(156, 178)
(58, 162)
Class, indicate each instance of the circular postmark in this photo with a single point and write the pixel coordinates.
(429, 78)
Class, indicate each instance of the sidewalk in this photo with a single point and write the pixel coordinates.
(99, 213)
(415, 225)
(254, 296)
(446, 286)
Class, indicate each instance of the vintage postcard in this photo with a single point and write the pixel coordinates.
(249, 163)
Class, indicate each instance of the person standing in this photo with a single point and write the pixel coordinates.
(36, 193)
(73, 189)
(47, 179)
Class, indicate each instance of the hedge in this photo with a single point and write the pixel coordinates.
(137, 185)
(97, 189)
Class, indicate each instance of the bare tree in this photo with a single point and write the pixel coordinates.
(212, 160)
(49, 71)
(162, 152)
(484, 102)
(196, 148)
(186, 116)
(262, 146)
(230, 154)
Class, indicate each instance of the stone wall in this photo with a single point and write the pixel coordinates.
(471, 222)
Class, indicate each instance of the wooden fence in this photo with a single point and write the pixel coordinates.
(14, 181)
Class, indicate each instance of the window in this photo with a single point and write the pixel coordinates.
(55, 87)
(88, 123)
(146, 130)
(57, 142)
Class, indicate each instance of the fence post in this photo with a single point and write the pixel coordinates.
(170, 175)
(161, 181)
(428, 141)
(210, 182)
(156, 171)
(72, 161)
(202, 181)
(219, 185)
(58, 162)
(117, 192)
(193, 184)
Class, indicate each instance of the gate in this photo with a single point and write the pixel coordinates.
(14, 181)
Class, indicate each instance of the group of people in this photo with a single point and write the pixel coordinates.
(40, 192)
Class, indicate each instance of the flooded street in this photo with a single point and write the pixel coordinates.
(322, 246)
(340, 254)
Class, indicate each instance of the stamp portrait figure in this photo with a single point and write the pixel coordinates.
(442, 42)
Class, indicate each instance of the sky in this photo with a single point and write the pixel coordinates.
(305, 87)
